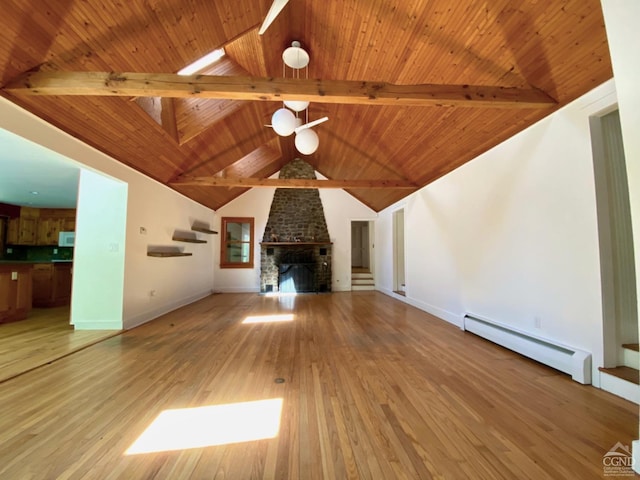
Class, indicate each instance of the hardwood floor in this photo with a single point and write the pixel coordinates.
(44, 337)
(373, 388)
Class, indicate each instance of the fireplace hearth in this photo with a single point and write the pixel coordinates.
(296, 267)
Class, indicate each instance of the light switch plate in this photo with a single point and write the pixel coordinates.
(14, 275)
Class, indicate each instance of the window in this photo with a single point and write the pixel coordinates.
(237, 242)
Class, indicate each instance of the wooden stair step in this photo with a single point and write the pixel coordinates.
(631, 346)
(625, 373)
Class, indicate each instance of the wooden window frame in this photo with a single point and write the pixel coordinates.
(223, 242)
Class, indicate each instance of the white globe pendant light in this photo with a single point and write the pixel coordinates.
(307, 141)
(283, 122)
(296, 106)
(295, 56)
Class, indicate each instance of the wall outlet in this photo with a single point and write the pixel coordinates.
(14, 275)
(9, 250)
(55, 250)
(537, 322)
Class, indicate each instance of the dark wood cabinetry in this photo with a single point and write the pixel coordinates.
(22, 231)
(51, 284)
(40, 226)
(15, 292)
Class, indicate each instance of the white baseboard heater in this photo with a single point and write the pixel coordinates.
(576, 363)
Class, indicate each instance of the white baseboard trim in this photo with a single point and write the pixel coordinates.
(98, 325)
(453, 318)
(341, 288)
(237, 290)
(621, 388)
(149, 315)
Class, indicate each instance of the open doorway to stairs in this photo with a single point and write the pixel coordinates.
(618, 276)
(398, 253)
(362, 272)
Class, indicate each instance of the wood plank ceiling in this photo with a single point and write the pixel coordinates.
(558, 48)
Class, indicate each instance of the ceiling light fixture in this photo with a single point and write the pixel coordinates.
(284, 121)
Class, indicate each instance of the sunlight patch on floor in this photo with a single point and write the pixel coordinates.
(280, 294)
(199, 427)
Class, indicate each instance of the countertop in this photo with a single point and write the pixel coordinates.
(32, 262)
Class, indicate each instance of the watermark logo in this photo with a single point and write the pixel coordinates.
(618, 461)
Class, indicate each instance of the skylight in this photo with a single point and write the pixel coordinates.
(202, 63)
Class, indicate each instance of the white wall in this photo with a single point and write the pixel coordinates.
(176, 281)
(339, 209)
(98, 267)
(253, 203)
(621, 20)
(512, 235)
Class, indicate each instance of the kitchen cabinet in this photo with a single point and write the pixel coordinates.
(52, 284)
(48, 230)
(22, 231)
(12, 231)
(15, 292)
(40, 226)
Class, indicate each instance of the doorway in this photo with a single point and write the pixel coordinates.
(399, 285)
(619, 305)
(360, 254)
(362, 276)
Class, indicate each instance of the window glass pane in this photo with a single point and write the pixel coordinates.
(238, 252)
(245, 252)
(236, 231)
(234, 252)
(246, 232)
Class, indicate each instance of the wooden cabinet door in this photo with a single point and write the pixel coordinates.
(62, 284)
(42, 284)
(12, 231)
(24, 296)
(56, 228)
(48, 229)
(6, 295)
(15, 292)
(68, 224)
(43, 232)
(28, 231)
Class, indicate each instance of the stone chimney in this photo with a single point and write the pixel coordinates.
(296, 247)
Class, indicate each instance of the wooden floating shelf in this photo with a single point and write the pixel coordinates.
(168, 254)
(284, 244)
(188, 240)
(204, 230)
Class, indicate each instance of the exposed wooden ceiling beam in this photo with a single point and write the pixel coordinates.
(273, 89)
(290, 183)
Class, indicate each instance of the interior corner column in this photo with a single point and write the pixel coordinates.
(621, 19)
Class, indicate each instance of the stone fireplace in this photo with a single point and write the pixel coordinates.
(295, 253)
